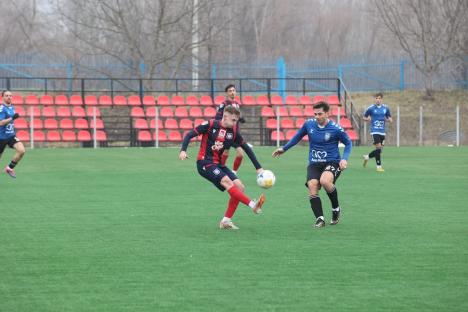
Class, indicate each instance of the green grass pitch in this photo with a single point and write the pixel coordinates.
(136, 230)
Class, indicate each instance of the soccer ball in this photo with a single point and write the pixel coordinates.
(266, 179)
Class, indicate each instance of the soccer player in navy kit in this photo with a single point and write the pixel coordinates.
(377, 114)
(231, 100)
(219, 135)
(325, 162)
(8, 134)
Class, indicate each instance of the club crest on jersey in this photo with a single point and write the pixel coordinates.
(222, 133)
(216, 171)
(229, 136)
(327, 136)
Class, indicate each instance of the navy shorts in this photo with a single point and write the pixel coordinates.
(378, 138)
(314, 171)
(214, 173)
(10, 142)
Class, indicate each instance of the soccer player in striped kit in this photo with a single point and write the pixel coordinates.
(325, 162)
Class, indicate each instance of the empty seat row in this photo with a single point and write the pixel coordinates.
(181, 112)
(65, 123)
(288, 134)
(288, 123)
(61, 136)
(296, 111)
(170, 123)
(61, 111)
(164, 100)
(171, 136)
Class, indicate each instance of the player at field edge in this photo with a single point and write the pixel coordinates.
(325, 162)
(231, 91)
(217, 136)
(378, 114)
(8, 133)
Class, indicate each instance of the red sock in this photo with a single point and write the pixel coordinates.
(232, 206)
(237, 162)
(224, 157)
(236, 193)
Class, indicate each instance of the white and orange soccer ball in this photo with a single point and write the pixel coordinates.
(266, 179)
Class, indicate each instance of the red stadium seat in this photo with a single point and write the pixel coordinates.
(61, 99)
(23, 135)
(163, 100)
(177, 100)
(275, 135)
(295, 111)
(77, 100)
(151, 111)
(181, 112)
(105, 100)
(161, 136)
(90, 100)
(219, 99)
(68, 136)
(299, 122)
(282, 111)
(171, 123)
(309, 111)
(21, 123)
(84, 136)
(166, 112)
(37, 123)
(353, 136)
(335, 110)
(144, 136)
(137, 112)
(333, 100)
(206, 100)
(134, 100)
(198, 122)
(31, 100)
(185, 124)
(195, 112)
(81, 123)
(305, 100)
(48, 112)
(39, 136)
(271, 123)
(148, 100)
(99, 123)
(17, 99)
(78, 112)
(66, 123)
(174, 136)
(318, 98)
(277, 100)
(287, 123)
(345, 123)
(63, 111)
(20, 110)
(33, 110)
(53, 136)
(90, 111)
(263, 100)
(209, 112)
(120, 100)
(192, 100)
(290, 134)
(50, 123)
(248, 100)
(46, 100)
(153, 124)
(291, 100)
(267, 112)
(140, 123)
(101, 136)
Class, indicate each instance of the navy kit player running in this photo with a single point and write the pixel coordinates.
(325, 162)
(378, 114)
(8, 134)
(231, 100)
(219, 135)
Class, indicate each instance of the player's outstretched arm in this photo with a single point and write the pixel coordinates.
(183, 155)
(278, 152)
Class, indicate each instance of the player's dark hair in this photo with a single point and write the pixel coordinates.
(229, 86)
(232, 110)
(380, 94)
(324, 105)
(3, 92)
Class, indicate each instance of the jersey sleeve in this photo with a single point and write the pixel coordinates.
(203, 128)
(3, 113)
(296, 138)
(251, 155)
(344, 138)
(367, 112)
(387, 113)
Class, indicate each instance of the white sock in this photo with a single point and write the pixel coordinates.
(321, 217)
(336, 209)
(226, 219)
(252, 204)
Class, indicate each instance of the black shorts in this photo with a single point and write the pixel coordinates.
(214, 173)
(314, 171)
(378, 138)
(10, 142)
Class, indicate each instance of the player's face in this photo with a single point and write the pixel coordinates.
(7, 97)
(231, 93)
(229, 120)
(378, 100)
(321, 116)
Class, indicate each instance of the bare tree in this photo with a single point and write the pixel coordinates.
(428, 31)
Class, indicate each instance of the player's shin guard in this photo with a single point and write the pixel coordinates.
(377, 156)
(237, 162)
(12, 164)
(236, 193)
(333, 198)
(232, 206)
(224, 158)
(316, 205)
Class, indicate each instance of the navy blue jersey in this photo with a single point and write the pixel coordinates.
(323, 141)
(220, 109)
(7, 131)
(378, 114)
(215, 140)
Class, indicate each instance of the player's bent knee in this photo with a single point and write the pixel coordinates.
(227, 183)
(239, 184)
